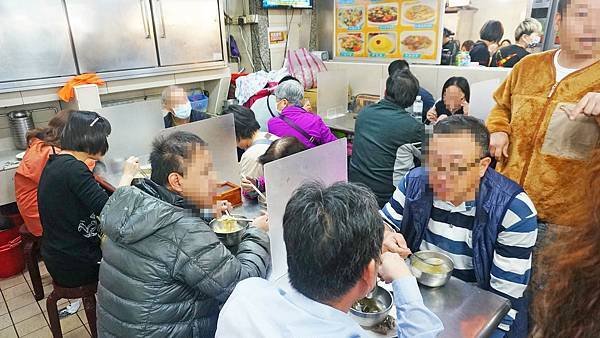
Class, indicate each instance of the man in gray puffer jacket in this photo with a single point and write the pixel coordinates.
(164, 273)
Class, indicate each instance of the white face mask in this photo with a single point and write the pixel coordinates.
(535, 40)
(183, 111)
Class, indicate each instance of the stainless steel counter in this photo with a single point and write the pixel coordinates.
(343, 123)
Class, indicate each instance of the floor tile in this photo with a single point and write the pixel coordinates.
(31, 325)
(41, 333)
(9, 332)
(11, 281)
(81, 332)
(20, 301)
(70, 323)
(46, 280)
(3, 308)
(25, 312)
(82, 316)
(15, 291)
(5, 321)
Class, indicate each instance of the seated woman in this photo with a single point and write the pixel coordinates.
(42, 142)
(294, 120)
(455, 100)
(279, 149)
(70, 200)
(177, 108)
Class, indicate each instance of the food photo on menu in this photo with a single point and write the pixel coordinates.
(351, 43)
(351, 17)
(381, 44)
(382, 14)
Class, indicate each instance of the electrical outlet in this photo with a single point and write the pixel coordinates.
(245, 20)
(252, 18)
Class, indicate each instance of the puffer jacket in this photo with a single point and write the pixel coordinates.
(164, 273)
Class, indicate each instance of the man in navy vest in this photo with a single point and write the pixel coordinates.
(459, 206)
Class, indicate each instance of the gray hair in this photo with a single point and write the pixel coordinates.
(167, 94)
(528, 27)
(290, 90)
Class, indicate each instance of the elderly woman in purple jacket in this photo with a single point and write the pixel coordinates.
(294, 121)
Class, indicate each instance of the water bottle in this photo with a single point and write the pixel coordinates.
(417, 111)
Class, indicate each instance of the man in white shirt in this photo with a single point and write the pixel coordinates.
(333, 236)
(251, 139)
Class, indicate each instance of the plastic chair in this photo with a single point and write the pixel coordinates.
(86, 292)
(31, 251)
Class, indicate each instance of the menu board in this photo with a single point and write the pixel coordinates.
(387, 29)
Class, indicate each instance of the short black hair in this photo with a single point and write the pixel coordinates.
(169, 152)
(461, 83)
(562, 7)
(492, 31)
(86, 131)
(397, 65)
(331, 235)
(468, 44)
(459, 123)
(281, 148)
(288, 78)
(402, 88)
(245, 121)
(447, 32)
(506, 40)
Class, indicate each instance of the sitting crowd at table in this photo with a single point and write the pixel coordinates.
(525, 230)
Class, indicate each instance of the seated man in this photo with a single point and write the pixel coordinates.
(251, 139)
(426, 97)
(164, 272)
(459, 206)
(386, 138)
(333, 238)
(177, 109)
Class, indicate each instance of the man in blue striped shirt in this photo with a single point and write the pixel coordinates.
(459, 206)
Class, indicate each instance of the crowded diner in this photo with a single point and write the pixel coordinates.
(300, 168)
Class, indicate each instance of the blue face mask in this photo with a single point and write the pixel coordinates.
(183, 111)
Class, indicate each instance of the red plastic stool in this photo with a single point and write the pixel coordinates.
(86, 292)
(31, 251)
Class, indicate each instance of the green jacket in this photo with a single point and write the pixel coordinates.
(164, 273)
(386, 142)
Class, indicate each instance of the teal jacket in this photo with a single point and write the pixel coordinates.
(385, 146)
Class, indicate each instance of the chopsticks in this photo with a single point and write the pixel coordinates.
(255, 188)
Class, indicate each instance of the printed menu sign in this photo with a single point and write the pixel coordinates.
(407, 29)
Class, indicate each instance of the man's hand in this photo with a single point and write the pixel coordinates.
(392, 267)
(262, 222)
(222, 206)
(395, 243)
(588, 106)
(499, 145)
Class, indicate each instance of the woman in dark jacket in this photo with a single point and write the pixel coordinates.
(70, 200)
(490, 35)
(456, 95)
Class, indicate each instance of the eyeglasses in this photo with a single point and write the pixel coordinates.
(438, 166)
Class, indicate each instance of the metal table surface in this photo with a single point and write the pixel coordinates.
(465, 309)
(344, 123)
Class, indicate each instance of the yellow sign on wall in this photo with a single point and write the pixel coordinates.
(401, 29)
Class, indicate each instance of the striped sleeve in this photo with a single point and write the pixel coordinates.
(511, 268)
(393, 210)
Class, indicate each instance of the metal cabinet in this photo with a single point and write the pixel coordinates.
(34, 40)
(112, 35)
(188, 31)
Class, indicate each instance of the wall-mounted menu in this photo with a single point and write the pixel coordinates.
(407, 29)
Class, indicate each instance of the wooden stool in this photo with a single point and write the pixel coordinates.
(31, 251)
(86, 292)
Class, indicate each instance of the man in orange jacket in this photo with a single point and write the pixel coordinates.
(546, 122)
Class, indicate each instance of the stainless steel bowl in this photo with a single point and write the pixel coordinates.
(232, 238)
(385, 301)
(431, 268)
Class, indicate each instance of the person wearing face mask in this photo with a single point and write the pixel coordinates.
(70, 200)
(294, 120)
(177, 108)
(489, 37)
(455, 100)
(527, 36)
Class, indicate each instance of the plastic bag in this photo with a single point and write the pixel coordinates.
(304, 66)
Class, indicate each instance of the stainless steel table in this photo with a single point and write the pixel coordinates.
(465, 309)
(343, 123)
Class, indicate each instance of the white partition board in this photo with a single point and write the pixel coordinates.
(326, 163)
(219, 133)
(332, 94)
(482, 98)
(133, 127)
